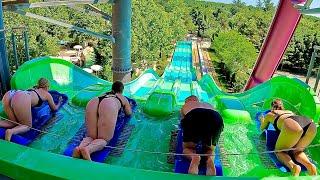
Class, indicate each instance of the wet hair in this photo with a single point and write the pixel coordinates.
(277, 105)
(117, 87)
(42, 83)
(192, 98)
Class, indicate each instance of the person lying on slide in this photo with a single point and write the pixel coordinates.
(101, 118)
(200, 123)
(17, 105)
(294, 132)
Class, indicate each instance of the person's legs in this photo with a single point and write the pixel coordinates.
(288, 138)
(211, 169)
(212, 129)
(108, 115)
(105, 128)
(21, 104)
(85, 142)
(95, 145)
(302, 158)
(189, 149)
(91, 120)
(6, 124)
(305, 141)
(6, 100)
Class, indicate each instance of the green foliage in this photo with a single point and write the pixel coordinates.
(238, 2)
(299, 52)
(161, 65)
(237, 54)
(268, 5)
(158, 24)
(254, 23)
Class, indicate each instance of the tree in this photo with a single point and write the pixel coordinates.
(198, 21)
(268, 5)
(237, 54)
(260, 4)
(238, 3)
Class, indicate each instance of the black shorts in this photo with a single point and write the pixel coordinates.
(202, 125)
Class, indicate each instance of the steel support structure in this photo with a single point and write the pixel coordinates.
(121, 49)
(4, 65)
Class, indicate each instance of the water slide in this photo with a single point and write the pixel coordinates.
(280, 33)
(239, 144)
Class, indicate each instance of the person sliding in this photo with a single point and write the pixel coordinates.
(17, 105)
(294, 132)
(101, 118)
(200, 124)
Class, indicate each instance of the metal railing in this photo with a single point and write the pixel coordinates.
(315, 54)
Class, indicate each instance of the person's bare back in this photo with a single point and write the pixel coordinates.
(187, 107)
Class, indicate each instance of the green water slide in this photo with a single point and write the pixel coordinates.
(239, 143)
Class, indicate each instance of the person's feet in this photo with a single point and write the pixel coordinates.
(85, 153)
(8, 135)
(211, 169)
(312, 169)
(193, 169)
(194, 165)
(296, 170)
(76, 152)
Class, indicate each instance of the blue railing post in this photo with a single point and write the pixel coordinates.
(4, 65)
(121, 49)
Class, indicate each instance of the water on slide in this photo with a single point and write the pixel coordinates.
(153, 134)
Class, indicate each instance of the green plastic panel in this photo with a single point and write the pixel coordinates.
(160, 103)
(160, 96)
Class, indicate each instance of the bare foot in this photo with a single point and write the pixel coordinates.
(85, 153)
(296, 170)
(8, 135)
(76, 152)
(312, 169)
(211, 169)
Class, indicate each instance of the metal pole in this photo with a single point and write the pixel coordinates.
(313, 58)
(121, 30)
(59, 23)
(316, 48)
(317, 81)
(4, 65)
(26, 44)
(14, 49)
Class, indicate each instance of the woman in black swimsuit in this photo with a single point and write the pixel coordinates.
(17, 105)
(101, 118)
(295, 132)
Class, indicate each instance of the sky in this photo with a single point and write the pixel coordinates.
(315, 3)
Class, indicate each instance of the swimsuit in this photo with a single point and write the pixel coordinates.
(13, 92)
(40, 99)
(108, 95)
(202, 125)
(302, 121)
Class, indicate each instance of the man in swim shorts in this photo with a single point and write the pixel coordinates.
(201, 124)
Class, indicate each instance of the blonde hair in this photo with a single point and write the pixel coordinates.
(42, 83)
